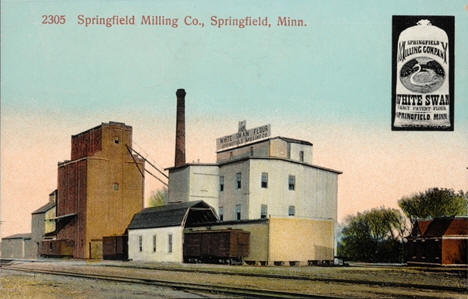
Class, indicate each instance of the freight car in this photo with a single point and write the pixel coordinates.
(115, 248)
(227, 246)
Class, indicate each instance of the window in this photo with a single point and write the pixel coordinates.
(301, 156)
(251, 151)
(140, 243)
(292, 210)
(154, 243)
(230, 155)
(221, 183)
(292, 182)
(115, 186)
(263, 212)
(169, 243)
(238, 212)
(239, 180)
(264, 183)
(221, 213)
(116, 140)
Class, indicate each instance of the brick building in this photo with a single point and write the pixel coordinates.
(99, 191)
(439, 241)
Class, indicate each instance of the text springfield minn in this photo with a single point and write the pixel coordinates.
(176, 22)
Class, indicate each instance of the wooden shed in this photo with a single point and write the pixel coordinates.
(441, 241)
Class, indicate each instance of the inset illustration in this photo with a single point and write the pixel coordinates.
(422, 89)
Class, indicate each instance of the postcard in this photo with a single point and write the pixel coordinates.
(375, 92)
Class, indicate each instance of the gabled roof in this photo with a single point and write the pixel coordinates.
(420, 227)
(458, 227)
(173, 214)
(18, 236)
(441, 226)
(44, 208)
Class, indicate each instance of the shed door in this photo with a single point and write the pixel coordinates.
(95, 249)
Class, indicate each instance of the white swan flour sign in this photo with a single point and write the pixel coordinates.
(423, 73)
(243, 136)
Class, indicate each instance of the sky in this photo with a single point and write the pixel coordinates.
(328, 82)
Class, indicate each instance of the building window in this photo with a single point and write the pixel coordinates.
(221, 213)
(289, 150)
(301, 156)
(230, 155)
(221, 183)
(264, 183)
(264, 211)
(251, 151)
(292, 182)
(140, 243)
(115, 186)
(169, 243)
(239, 180)
(238, 212)
(292, 210)
(116, 140)
(154, 243)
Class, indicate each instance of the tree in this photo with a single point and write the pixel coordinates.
(374, 236)
(158, 198)
(434, 202)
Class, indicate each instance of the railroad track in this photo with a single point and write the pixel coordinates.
(217, 289)
(318, 279)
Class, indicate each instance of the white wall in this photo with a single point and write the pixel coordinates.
(231, 195)
(204, 184)
(296, 148)
(194, 182)
(178, 188)
(314, 195)
(161, 254)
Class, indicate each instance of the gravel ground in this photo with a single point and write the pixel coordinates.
(378, 278)
(23, 285)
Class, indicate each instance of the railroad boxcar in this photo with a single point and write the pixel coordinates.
(227, 246)
(115, 248)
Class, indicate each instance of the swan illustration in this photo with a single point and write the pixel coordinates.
(424, 77)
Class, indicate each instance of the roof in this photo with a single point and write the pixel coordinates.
(281, 159)
(442, 226)
(459, 226)
(293, 140)
(44, 208)
(190, 164)
(173, 214)
(110, 123)
(256, 158)
(420, 227)
(232, 222)
(290, 140)
(18, 236)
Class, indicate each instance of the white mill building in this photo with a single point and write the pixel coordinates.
(265, 185)
(273, 177)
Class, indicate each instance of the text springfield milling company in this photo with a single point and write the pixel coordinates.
(175, 22)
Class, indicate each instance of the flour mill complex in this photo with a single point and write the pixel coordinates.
(262, 202)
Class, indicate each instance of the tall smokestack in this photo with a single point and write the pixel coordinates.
(180, 129)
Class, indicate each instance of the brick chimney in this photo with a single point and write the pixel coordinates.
(180, 129)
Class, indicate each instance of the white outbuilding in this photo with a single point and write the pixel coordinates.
(157, 234)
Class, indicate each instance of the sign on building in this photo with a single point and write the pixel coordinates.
(243, 136)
